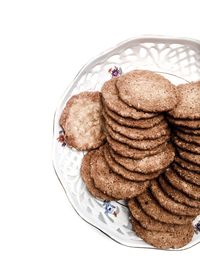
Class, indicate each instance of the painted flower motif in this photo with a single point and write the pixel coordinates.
(115, 72)
(110, 209)
(197, 228)
(61, 138)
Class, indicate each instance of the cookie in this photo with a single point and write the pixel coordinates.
(188, 105)
(191, 124)
(148, 222)
(190, 176)
(111, 183)
(119, 169)
(149, 164)
(127, 151)
(138, 134)
(189, 131)
(89, 182)
(114, 103)
(187, 165)
(179, 183)
(178, 195)
(138, 144)
(81, 121)
(147, 91)
(189, 138)
(165, 240)
(191, 157)
(169, 204)
(185, 145)
(154, 210)
(142, 123)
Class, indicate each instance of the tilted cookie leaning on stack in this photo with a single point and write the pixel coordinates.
(128, 136)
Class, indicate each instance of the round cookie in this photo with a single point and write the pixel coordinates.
(191, 124)
(149, 164)
(154, 210)
(111, 183)
(193, 139)
(187, 165)
(117, 168)
(147, 91)
(169, 204)
(89, 182)
(138, 134)
(178, 195)
(190, 176)
(148, 222)
(142, 123)
(189, 131)
(127, 151)
(138, 144)
(190, 189)
(185, 145)
(81, 121)
(165, 240)
(188, 106)
(114, 103)
(191, 157)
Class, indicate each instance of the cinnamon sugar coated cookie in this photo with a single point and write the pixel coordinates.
(81, 121)
(138, 144)
(148, 164)
(147, 91)
(138, 134)
(188, 106)
(113, 102)
(113, 184)
(86, 176)
(165, 240)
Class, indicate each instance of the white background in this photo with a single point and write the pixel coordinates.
(43, 44)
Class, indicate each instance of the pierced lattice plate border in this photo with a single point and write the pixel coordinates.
(179, 60)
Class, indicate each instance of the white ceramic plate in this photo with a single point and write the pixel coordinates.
(179, 60)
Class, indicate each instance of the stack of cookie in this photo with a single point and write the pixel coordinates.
(185, 171)
(163, 215)
(136, 131)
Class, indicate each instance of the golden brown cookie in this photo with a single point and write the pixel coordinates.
(189, 138)
(169, 204)
(138, 134)
(149, 164)
(154, 210)
(186, 145)
(189, 131)
(187, 165)
(148, 222)
(165, 240)
(191, 124)
(130, 175)
(190, 176)
(142, 123)
(114, 103)
(188, 106)
(177, 195)
(190, 189)
(147, 91)
(138, 144)
(89, 182)
(81, 121)
(127, 151)
(190, 157)
(111, 183)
